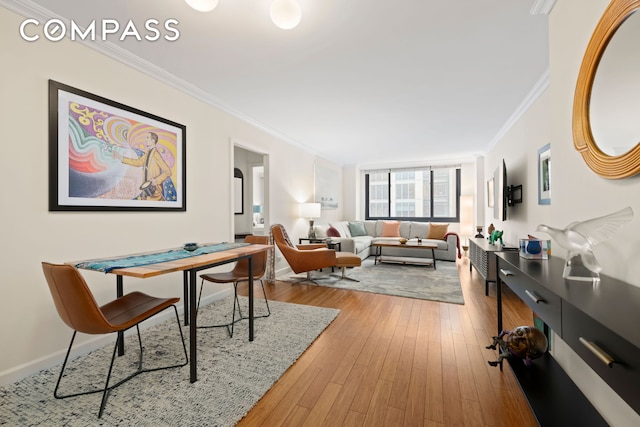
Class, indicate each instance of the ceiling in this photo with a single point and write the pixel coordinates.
(358, 82)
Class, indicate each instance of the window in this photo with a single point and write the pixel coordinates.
(420, 194)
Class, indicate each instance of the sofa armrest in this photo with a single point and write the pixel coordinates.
(453, 239)
(347, 244)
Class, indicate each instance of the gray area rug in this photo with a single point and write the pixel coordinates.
(233, 373)
(405, 280)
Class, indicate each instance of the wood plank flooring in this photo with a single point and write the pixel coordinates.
(392, 361)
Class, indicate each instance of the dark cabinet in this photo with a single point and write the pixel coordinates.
(599, 322)
(482, 256)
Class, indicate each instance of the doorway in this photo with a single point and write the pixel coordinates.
(253, 218)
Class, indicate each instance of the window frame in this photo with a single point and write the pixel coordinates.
(430, 218)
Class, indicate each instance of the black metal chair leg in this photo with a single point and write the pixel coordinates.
(64, 364)
(236, 300)
(266, 301)
(229, 326)
(105, 393)
(199, 296)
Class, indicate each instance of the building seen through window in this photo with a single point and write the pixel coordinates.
(418, 194)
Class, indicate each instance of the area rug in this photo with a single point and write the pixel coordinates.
(405, 280)
(233, 373)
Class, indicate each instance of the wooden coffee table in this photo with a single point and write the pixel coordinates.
(392, 244)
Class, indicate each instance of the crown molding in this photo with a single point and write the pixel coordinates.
(28, 8)
(538, 89)
(542, 7)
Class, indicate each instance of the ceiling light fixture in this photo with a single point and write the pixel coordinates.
(202, 5)
(286, 14)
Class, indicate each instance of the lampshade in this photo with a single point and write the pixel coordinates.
(466, 216)
(310, 210)
(202, 5)
(286, 14)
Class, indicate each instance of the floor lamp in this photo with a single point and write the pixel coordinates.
(466, 220)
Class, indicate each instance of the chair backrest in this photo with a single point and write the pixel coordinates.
(73, 299)
(280, 237)
(301, 260)
(259, 259)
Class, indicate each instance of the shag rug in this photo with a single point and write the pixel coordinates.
(233, 373)
(405, 280)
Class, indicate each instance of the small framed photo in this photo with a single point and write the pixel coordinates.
(544, 175)
(107, 156)
(490, 192)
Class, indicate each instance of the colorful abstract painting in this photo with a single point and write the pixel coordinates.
(108, 156)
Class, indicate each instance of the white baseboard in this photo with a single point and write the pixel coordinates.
(284, 271)
(19, 372)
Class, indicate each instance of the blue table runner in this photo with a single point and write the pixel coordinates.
(106, 265)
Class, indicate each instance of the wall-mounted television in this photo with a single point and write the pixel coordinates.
(504, 194)
(500, 192)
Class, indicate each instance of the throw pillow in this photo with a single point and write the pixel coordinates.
(437, 231)
(357, 229)
(321, 231)
(390, 229)
(419, 229)
(332, 232)
(342, 227)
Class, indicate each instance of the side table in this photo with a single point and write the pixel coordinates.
(331, 244)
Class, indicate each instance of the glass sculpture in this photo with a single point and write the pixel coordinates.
(579, 237)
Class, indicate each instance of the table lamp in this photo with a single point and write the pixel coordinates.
(311, 211)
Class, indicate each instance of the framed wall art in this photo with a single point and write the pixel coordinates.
(327, 187)
(490, 193)
(544, 175)
(107, 156)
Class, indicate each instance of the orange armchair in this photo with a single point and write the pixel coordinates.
(302, 258)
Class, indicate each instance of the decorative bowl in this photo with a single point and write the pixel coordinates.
(403, 240)
(190, 246)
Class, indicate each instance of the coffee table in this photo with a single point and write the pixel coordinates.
(410, 244)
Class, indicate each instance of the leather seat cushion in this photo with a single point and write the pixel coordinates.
(346, 259)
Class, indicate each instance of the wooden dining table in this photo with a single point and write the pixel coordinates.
(190, 266)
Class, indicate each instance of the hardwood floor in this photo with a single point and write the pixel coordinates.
(392, 361)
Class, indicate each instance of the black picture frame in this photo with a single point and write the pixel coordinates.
(108, 156)
(238, 192)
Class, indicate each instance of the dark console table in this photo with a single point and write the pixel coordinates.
(482, 256)
(599, 322)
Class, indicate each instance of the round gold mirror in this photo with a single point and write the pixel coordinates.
(605, 109)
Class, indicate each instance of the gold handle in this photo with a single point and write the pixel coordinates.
(600, 353)
(534, 297)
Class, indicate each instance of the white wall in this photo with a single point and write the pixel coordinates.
(584, 194)
(32, 333)
(519, 150)
(577, 192)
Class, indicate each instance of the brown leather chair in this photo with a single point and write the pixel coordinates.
(240, 273)
(78, 309)
(307, 258)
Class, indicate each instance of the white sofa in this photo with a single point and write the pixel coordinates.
(447, 249)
